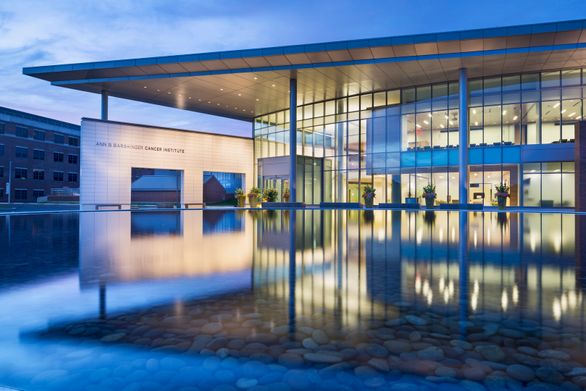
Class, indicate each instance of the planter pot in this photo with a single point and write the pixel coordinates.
(369, 202)
(241, 201)
(429, 201)
(502, 202)
(253, 201)
(285, 198)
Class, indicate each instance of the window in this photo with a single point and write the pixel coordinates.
(21, 132)
(1, 149)
(74, 141)
(20, 194)
(38, 174)
(72, 159)
(58, 157)
(72, 177)
(38, 135)
(1, 172)
(58, 176)
(2, 127)
(38, 193)
(20, 173)
(21, 152)
(59, 138)
(38, 154)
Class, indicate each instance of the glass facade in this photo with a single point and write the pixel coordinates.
(401, 140)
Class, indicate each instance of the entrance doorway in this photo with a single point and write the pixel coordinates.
(484, 179)
(277, 182)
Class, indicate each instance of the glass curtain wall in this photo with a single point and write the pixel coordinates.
(401, 140)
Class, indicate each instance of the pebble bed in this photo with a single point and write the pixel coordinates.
(247, 342)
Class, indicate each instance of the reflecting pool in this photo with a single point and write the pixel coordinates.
(282, 300)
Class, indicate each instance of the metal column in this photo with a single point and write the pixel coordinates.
(104, 115)
(293, 140)
(463, 147)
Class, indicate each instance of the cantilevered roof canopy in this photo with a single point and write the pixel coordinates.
(245, 83)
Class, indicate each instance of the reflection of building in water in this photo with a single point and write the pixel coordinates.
(359, 265)
(134, 246)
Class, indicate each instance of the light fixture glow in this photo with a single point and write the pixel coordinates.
(556, 105)
(563, 111)
(475, 123)
(515, 118)
(426, 122)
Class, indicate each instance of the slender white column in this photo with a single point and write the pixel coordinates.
(293, 140)
(463, 148)
(104, 116)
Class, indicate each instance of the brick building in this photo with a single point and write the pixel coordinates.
(39, 154)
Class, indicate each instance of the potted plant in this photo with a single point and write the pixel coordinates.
(286, 195)
(502, 193)
(254, 197)
(240, 197)
(368, 194)
(270, 195)
(429, 195)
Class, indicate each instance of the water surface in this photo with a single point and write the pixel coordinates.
(331, 300)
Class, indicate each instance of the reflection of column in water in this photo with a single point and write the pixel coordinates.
(339, 235)
(292, 273)
(102, 298)
(463, 265)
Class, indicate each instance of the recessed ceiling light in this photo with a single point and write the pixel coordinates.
(221, 89)
(504, 112)
(572, 114)
(257, 99)
(158, 90)
(475, 123)
(426, 122)
(417, 125)
(474, 111)
(239, 94)
(217, 104)
(199, 100)
(429, 115)
(556, 105)
(442, 126)
(255, 78)
(209, 101)
(446, 117)
(145, 86)
(563, 111)
(168, 92)
(515, 118)
(272, 85)
(190, 97)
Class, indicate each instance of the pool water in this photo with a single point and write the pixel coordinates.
(283, 300)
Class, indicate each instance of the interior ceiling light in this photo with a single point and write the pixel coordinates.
(426, 122)
(504, 112)
(145, 86)
(515, 118)
(572, 114)
(563, 111)
(556, 105)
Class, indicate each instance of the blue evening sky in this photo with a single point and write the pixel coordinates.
(64, 31)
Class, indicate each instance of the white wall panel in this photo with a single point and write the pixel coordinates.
(106, 167)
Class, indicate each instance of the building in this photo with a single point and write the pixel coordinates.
(39, 155)
(464, 111)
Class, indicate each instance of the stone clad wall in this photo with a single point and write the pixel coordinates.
(109, 150)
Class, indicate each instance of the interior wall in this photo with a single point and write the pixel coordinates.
(109, 150)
